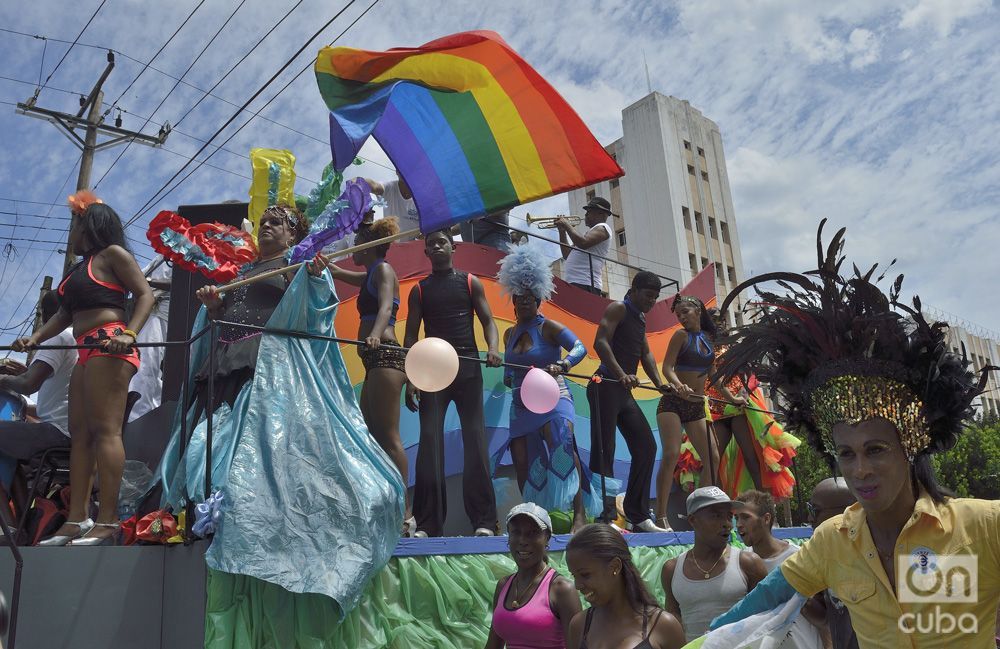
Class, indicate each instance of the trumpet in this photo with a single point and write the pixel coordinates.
(549, 222)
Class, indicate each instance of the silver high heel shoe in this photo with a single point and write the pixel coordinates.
(83, 527)
(87, 540)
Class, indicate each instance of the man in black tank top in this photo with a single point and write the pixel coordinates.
(445, 302)
(621, 345)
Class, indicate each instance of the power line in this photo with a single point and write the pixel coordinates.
(73, 44)
(208, 92)
(32, 83)
(28, 286)
(162, 47)
(156, 196)
(172, 88)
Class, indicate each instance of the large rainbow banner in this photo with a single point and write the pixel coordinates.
(470, 126)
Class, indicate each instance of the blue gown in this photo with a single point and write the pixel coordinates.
(553, 480)
(311, 502)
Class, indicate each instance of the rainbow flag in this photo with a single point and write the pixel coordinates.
(470, 126)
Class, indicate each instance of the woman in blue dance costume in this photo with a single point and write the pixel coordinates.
(542, 446)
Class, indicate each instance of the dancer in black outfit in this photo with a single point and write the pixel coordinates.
(621, 344)
(445, 302)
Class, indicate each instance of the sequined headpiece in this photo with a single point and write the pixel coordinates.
(298, 222)
(838, 350)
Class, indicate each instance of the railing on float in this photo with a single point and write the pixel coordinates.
(185, 402)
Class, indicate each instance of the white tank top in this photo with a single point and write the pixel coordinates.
(701, 600)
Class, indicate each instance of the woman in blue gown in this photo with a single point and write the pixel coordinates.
(542, 446)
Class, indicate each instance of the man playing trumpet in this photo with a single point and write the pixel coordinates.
(581, 269)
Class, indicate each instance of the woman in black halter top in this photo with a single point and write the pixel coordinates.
(382, 356)
(622, 613)
(92, 300)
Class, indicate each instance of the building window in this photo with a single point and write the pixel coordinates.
(701, 152)
(704, 176)
(711, 228)
(687, 217)
(621, 238)
(704, 263)
(690, 170)
(725, 232)
(614, 183)
(732, 274)
(718, 272)
(698, 224)
(694, 264)
(591, 194)
(687, 145)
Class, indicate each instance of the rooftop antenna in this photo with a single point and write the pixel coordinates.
(649, 84)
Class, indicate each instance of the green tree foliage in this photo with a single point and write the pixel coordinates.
(972, 468)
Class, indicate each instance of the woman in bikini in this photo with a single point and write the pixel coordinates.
(382, 357)
(92, 300)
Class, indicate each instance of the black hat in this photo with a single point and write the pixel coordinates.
(598, 203)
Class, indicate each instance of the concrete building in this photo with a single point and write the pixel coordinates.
(674, 205)
(982, 347)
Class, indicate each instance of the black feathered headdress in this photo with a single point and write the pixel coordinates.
(838, 349)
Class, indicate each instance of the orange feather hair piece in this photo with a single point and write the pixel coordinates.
(80, 201)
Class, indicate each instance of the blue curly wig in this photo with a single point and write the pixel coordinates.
(526, 270)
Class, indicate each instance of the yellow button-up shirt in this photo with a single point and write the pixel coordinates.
(841, 556)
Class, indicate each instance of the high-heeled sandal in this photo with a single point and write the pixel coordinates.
(89, 541)
(409, 526)
(664, 523)
(82, 528)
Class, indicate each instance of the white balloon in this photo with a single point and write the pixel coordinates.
(431, 364)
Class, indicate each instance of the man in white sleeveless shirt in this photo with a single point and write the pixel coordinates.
(713, 575)
(755, 512)
(586, 269)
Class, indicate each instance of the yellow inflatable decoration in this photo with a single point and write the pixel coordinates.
(273, 181)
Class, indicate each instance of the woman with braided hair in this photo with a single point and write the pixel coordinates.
(878, 392)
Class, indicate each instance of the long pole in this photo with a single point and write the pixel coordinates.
(86, 165)
(285, 269)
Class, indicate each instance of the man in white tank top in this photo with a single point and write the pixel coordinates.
(585, 269)
(755, 512)
(712, 576)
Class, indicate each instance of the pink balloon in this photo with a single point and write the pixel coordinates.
(539, 391)
(431, 364)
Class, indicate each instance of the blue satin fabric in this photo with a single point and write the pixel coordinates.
(312, 503)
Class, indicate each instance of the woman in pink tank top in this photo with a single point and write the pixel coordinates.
(532, 608)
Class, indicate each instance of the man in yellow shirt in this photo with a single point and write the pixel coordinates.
(878, 394)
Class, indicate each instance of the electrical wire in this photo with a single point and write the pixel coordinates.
(128, 144)
(208, 92)
(162, 47)
(156, 195)
(190, 85)
(73, 44)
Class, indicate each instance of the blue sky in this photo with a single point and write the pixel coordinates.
(881, 116)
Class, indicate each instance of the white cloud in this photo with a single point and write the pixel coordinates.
(942, 15)
(881, 119)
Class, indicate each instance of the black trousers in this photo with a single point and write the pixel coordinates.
(617, 408)
(430, 498)
(590, 289)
